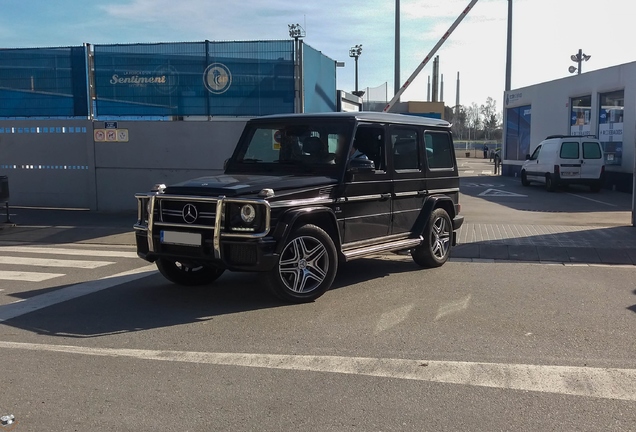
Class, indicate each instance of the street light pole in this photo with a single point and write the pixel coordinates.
(356, 52)
(397, 48)
(509, 47)
(356, 58)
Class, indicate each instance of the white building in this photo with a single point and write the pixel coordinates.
(600, 103)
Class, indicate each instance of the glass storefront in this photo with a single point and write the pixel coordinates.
(610, 125)
(581, 115)
(517, 132)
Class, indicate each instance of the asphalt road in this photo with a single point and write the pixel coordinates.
(92, 338)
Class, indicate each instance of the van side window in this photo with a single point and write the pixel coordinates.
(405, 149)
(570, 150)
(535, 155)
(591, 150)
(438, 150)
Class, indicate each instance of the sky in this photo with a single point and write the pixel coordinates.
(545, 34)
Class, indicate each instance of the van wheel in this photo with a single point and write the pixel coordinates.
(306, 267)
(549, 183)
(435, 249)
(524, 179)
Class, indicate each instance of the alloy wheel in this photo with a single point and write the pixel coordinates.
(304, 264)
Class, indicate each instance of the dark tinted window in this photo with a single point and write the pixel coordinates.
(369, 140)
(405, 149)
(591, 150)
(570, 150)
(439, 151)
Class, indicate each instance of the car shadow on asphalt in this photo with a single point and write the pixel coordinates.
(152, 302)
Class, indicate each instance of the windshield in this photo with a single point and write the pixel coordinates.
(315, 145)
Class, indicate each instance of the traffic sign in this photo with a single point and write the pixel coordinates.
(99, 135)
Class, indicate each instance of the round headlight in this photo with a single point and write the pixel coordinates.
(248, 213)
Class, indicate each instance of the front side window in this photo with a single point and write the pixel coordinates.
(439, 150)
(405, 149)
(535, 155)
(316, 145)
(569, 150)
(369, 141)
(591, 150)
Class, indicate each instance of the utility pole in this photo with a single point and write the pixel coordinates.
(397, 49)
(509, 47)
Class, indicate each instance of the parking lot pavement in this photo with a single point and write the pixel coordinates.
(390, 347)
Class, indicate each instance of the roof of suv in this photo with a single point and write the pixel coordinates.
(366, 116)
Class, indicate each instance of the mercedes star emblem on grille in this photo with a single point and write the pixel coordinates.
(189, 213)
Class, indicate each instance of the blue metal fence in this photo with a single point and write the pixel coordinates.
(194, 79)
(43, 82)
(319, 76)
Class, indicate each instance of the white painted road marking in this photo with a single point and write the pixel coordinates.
(452, 307)
(66, 251)
(593, 200)
(607, 383)
(46, 262)
(486, 172)
(500, 193)
(27, 276)
(32, 304)
(392, 318)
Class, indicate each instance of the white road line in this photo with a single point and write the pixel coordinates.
(47, 262)
(593, 200)
(27, 276)
(14, 310)
(65, 251)
(392, 318)
(607, 383)
(469, 171)
(486, 172)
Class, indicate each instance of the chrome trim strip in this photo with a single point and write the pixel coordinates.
(407, 211)
(140, 227)
(364, 198)
(367, 216)
(179, 225)
(372, 242)
(192, 198)
(385, 247)
(434, 191)
(405, 194)
(307, 201)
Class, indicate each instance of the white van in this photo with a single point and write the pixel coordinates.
(565, 160)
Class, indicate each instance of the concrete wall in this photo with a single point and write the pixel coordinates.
(71, 170)
(49, 163)
(551, 110)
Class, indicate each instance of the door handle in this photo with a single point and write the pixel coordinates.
(385, 196)
(422, 192)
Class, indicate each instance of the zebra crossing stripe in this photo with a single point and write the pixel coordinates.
(47, 262)
(27, 276)
(67, 251)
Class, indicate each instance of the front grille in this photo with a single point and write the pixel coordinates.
(188, 212)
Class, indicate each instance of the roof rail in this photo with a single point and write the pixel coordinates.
(571, 136)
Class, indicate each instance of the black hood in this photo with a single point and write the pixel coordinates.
(231, 185)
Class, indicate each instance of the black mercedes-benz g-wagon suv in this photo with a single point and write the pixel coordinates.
(303, 193)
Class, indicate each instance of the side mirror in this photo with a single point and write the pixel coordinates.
(527, 157)
(361, 166)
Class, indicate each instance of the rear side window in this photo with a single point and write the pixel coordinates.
(405, 149)
(570, 150)
(591, 150)
(439, 151)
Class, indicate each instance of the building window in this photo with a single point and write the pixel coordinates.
(610, 126)
(518, 122)
(581, 115)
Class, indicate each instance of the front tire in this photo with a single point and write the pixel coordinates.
(306, 267)
(186, 274)
(524, 179)
(435, 249)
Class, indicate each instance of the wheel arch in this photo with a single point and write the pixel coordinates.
(431, 203)
(322, 217)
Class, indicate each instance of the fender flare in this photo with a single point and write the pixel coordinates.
(431, 202)
(287, 221)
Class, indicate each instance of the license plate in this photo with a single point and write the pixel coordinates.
(568, 173)
(181, 238)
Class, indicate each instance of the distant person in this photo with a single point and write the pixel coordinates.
(485, 151)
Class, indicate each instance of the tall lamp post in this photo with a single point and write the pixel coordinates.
(356, 52)
(297, 32)
(578, 58)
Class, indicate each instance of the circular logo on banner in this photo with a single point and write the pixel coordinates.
(217, 78)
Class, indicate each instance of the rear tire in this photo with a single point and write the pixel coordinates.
(187, 275)
(524, 179)
(435, 249)
(549, 183)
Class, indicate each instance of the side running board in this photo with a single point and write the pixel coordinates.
(384, 247)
